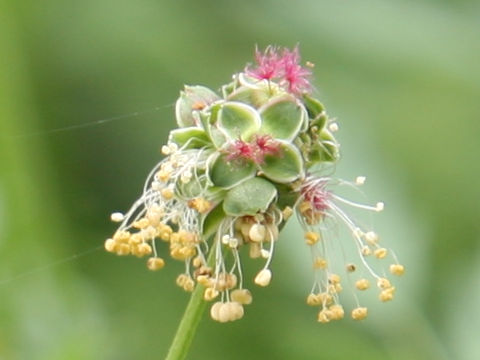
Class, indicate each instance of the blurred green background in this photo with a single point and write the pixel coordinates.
(403, 79)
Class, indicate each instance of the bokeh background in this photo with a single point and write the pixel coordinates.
(403, 79)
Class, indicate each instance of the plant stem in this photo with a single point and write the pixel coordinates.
(189, 323)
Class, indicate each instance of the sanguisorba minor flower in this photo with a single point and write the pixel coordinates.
(239, 165)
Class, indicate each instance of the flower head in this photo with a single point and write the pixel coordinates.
(234, 172)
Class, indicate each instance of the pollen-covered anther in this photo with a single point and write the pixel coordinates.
(359, 313)
(143, 249)
(336, 312)
(257, 232)
(189, 284)
(325, 298)
(380, 253)
(242, 296)
(200, 204)
(117, 217)
(122, 249)
(286, 213)
(387, 294)
(397, 269)
(384, 283)
(311, 237)
(141, 223)
(263, 277)
(210, 294)
(366, 251)
(167, 193)
(155, 263)
(362, 284)
(324, 316)
(313, 300)
(228, 311)
(122, 236)
(164, 231)
(186, 177)
(110, 245)
(334, 279)
(265, 253)
(320, 263)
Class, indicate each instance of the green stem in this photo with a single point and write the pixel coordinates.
(189, 323)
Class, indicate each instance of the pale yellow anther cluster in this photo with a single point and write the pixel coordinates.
(316, 207)
(226, 311)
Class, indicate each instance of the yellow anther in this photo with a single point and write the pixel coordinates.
(324, 316)
(380, 253)
(189, 284)
(362, 284)
(122, 249)
(387, 294)
(205, 280)
(144, 249)
(335, 288)
(311, 237)
(236, 310)
(181, 279)
(336, 312)
(197, 261)
(350, 267)
(135, 239)
(334, 279)
(397, 269)
(167, 193)
(164, 232)
(286, 213)
(366, 251)
(224, 313)
(313, 300)
(163, 175)
(304, 206)
(383, 283)
(242, 296)
(121, 236)
(325, 298)
(117, 217)
(263, 277)
(155, 263)
(110, 245)
(257, 232)
(141, 223)
(320, 263)
(371, 237)
(210, 294)
(359, 313)
(215, 311)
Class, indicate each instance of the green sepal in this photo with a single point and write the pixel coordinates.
(193, 137)
(237, 120)
(208, 121)
(284, 167)
(325, 149)
(212, 220)
(250, 197)
(191, 96)
(283, 118)
(227, 174)
(286, 196)
(314, 107)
